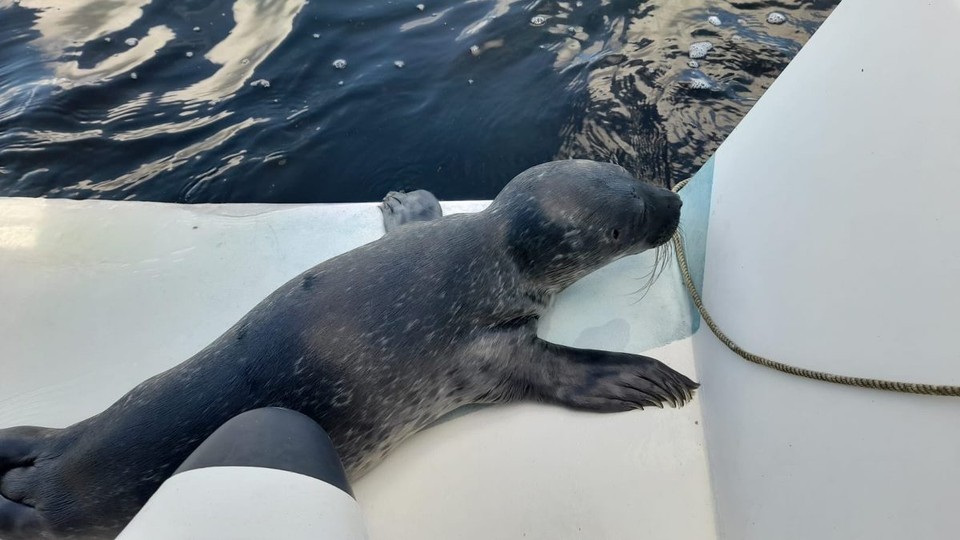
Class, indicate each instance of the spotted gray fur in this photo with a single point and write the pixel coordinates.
(374, 345)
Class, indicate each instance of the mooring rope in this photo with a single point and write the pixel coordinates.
(863, 382)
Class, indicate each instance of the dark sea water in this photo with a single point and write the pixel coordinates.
(241, 101)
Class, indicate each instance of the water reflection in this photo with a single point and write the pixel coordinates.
(499, 9)
(149, 171)
(238, 100)
(69, 74)
(259, 28)
(95, 43)
(170, 127)
(64, 24)
(653, 110)
(424, 21)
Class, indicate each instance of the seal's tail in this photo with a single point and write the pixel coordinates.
(19, 449)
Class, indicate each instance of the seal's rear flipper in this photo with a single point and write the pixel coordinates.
(19, 446)
(19, 520)
(19, 449)
(399, 209)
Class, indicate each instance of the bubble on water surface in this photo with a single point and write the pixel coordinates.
(776, 18)
(700, 49)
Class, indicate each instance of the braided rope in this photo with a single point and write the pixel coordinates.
(863, 382)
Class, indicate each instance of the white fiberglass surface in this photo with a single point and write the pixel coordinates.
(832, 246)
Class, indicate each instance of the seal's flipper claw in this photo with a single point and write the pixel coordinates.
(415, 206)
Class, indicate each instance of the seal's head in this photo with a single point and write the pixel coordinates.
(564, 219)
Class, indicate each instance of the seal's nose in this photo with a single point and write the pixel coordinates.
(670, 200)
(667, 217)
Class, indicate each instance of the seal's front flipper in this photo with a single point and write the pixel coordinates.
(399, 208)
(603, 381)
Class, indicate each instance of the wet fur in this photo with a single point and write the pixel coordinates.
(374, 345)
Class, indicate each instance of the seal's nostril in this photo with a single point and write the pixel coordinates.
(673, 202)
(669, 199)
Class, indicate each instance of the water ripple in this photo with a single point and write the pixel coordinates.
(239, 100)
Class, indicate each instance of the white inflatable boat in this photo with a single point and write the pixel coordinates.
(823, 234)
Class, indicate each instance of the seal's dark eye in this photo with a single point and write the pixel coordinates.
(615, 233)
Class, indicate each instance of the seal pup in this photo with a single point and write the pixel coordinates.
(373, 345)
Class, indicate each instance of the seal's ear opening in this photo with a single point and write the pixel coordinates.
(533, 238)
